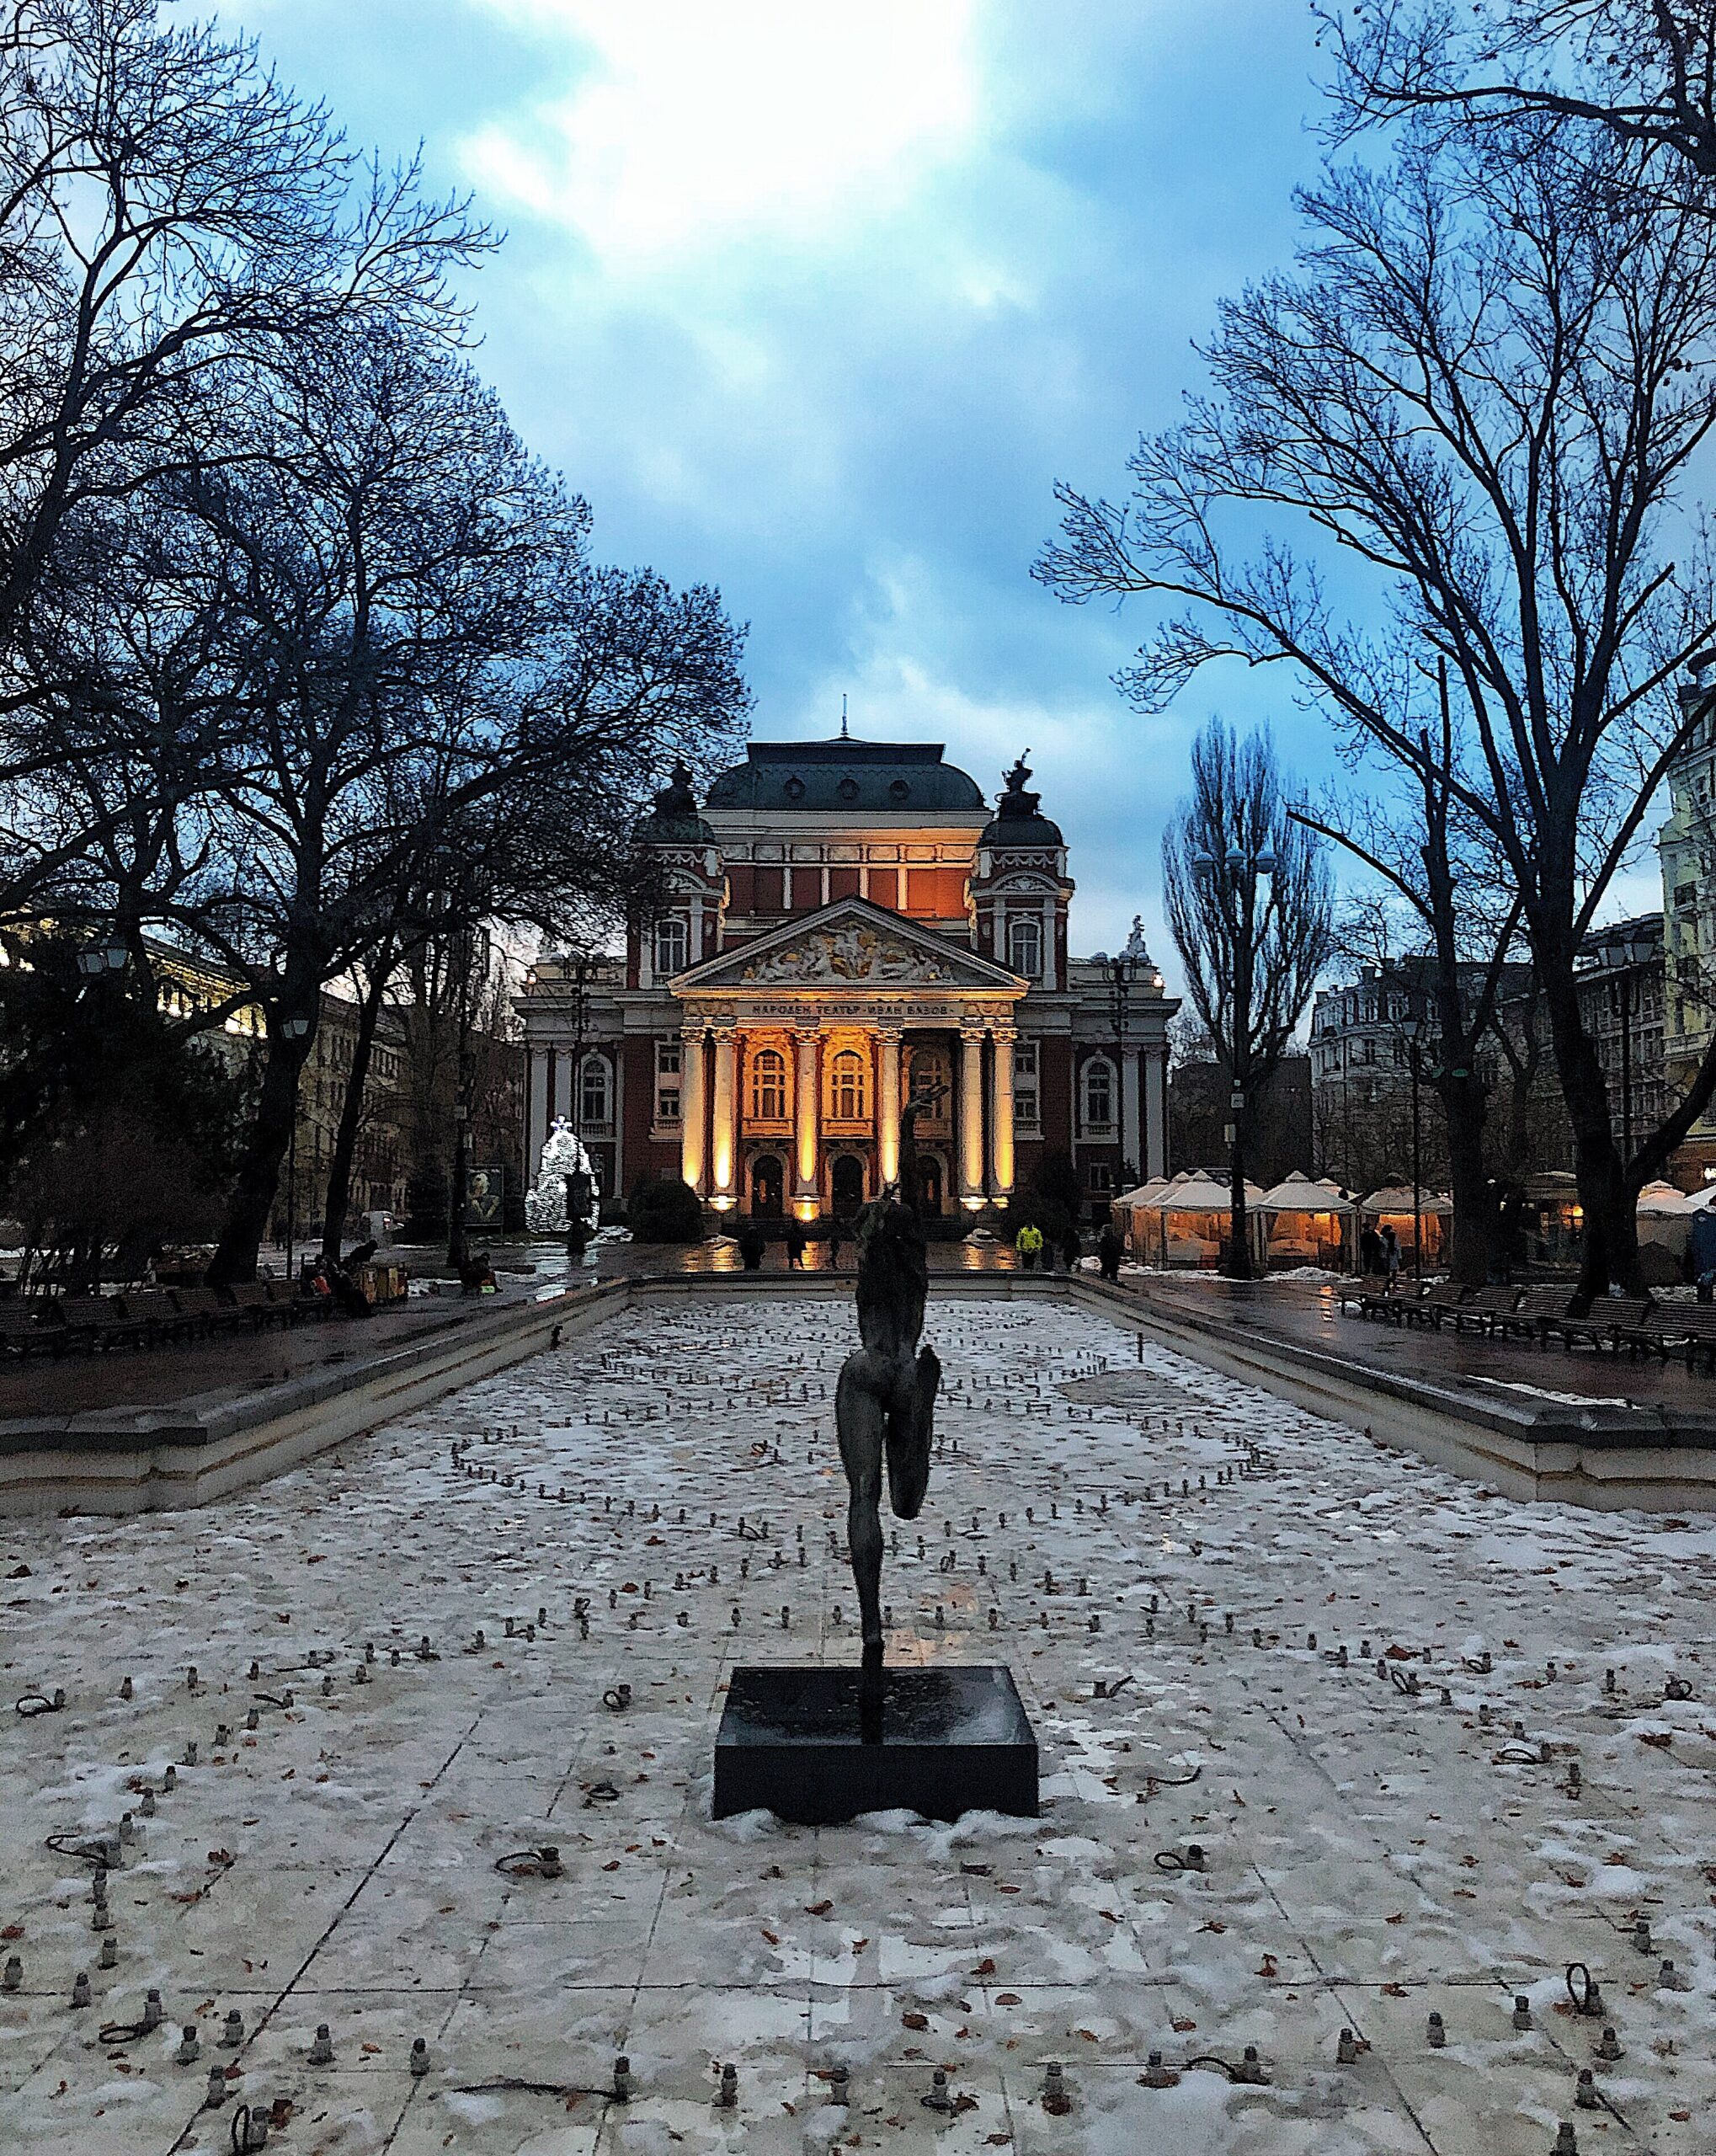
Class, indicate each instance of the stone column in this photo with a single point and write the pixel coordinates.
(694, 1116)
(1129, 1148)
(1001, 1122)
(1156, 1161)
(536, 1134)
(620, 1105)
(888, 1100)
(970, 1115)
(723, 1135)
(807, 1124)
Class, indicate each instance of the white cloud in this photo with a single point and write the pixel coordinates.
(696, 119)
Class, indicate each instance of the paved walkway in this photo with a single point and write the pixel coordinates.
(237, 1363)
(232, 1363)
(1302, 1315)
(1373, 1852)
(1309, 1316)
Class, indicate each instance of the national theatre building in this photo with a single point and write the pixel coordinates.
(847, 922)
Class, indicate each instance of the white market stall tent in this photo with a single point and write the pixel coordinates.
(1309, 1223)
(1394, 1208)
(1122, 1209)
(1664, 1225)
(1185, 1222)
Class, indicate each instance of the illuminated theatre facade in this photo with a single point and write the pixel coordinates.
(849, 922)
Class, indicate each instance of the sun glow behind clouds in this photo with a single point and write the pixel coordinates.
(695, 117)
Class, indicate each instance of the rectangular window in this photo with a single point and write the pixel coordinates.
(667, 1081)
(673, 946)
(1025, 945)
(1027, 1112)
(1099, 1177)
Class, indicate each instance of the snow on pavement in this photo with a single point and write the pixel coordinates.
(1361, 1687)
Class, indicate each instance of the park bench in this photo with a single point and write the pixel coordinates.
(1603, 1325)
(204, 1312)
(251, 1299)
(1484, 1306)
(1436, 1304)
(155, 1310)
(31, 1328)
(1691, 1327)
(100, 1320)
(1536, 1310)
(1397, 1307)
(304, 1302)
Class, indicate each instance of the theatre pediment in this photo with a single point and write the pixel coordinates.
(850, 946)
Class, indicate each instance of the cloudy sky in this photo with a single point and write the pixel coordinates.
(815, 302)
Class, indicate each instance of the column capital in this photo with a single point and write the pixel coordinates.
(890, 1031)
(974, 1030)
(1005, 1036)
(805, 1030)
(694, 1031)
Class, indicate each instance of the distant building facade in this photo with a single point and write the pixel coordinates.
(849, 923)
(1686, 848)
(1279, 1135)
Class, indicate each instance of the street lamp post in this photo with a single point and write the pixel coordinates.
(1625, 989)
(1417, 1171)
(578, 1182)
(1241, 897)
(1120, 973)
(293, 1029)
(1625, 952)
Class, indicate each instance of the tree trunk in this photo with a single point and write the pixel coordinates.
(259, 1177)
(1608, 1192)
(351, 1115)
(1464, 1106)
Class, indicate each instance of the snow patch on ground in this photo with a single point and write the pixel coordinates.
(1200, 1550)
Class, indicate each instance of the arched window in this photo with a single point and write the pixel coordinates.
(768, 1085)
(849, 1087)
(596, 1094)
(1025, 945)
(1099, 1093)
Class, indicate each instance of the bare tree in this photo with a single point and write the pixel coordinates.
(1249, 904)
(1487, 381)
(434, 679)
(1645, 70)
(165, 206)
(1422, 846)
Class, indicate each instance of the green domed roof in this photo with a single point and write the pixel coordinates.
(845, 778)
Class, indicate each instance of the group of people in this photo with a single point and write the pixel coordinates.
(1379, 1255)
(753, 1242)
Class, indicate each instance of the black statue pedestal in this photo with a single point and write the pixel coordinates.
(820, 1746)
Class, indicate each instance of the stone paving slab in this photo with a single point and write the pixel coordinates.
(1371, 1852)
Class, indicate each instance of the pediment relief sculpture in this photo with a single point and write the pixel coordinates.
(853, 952)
